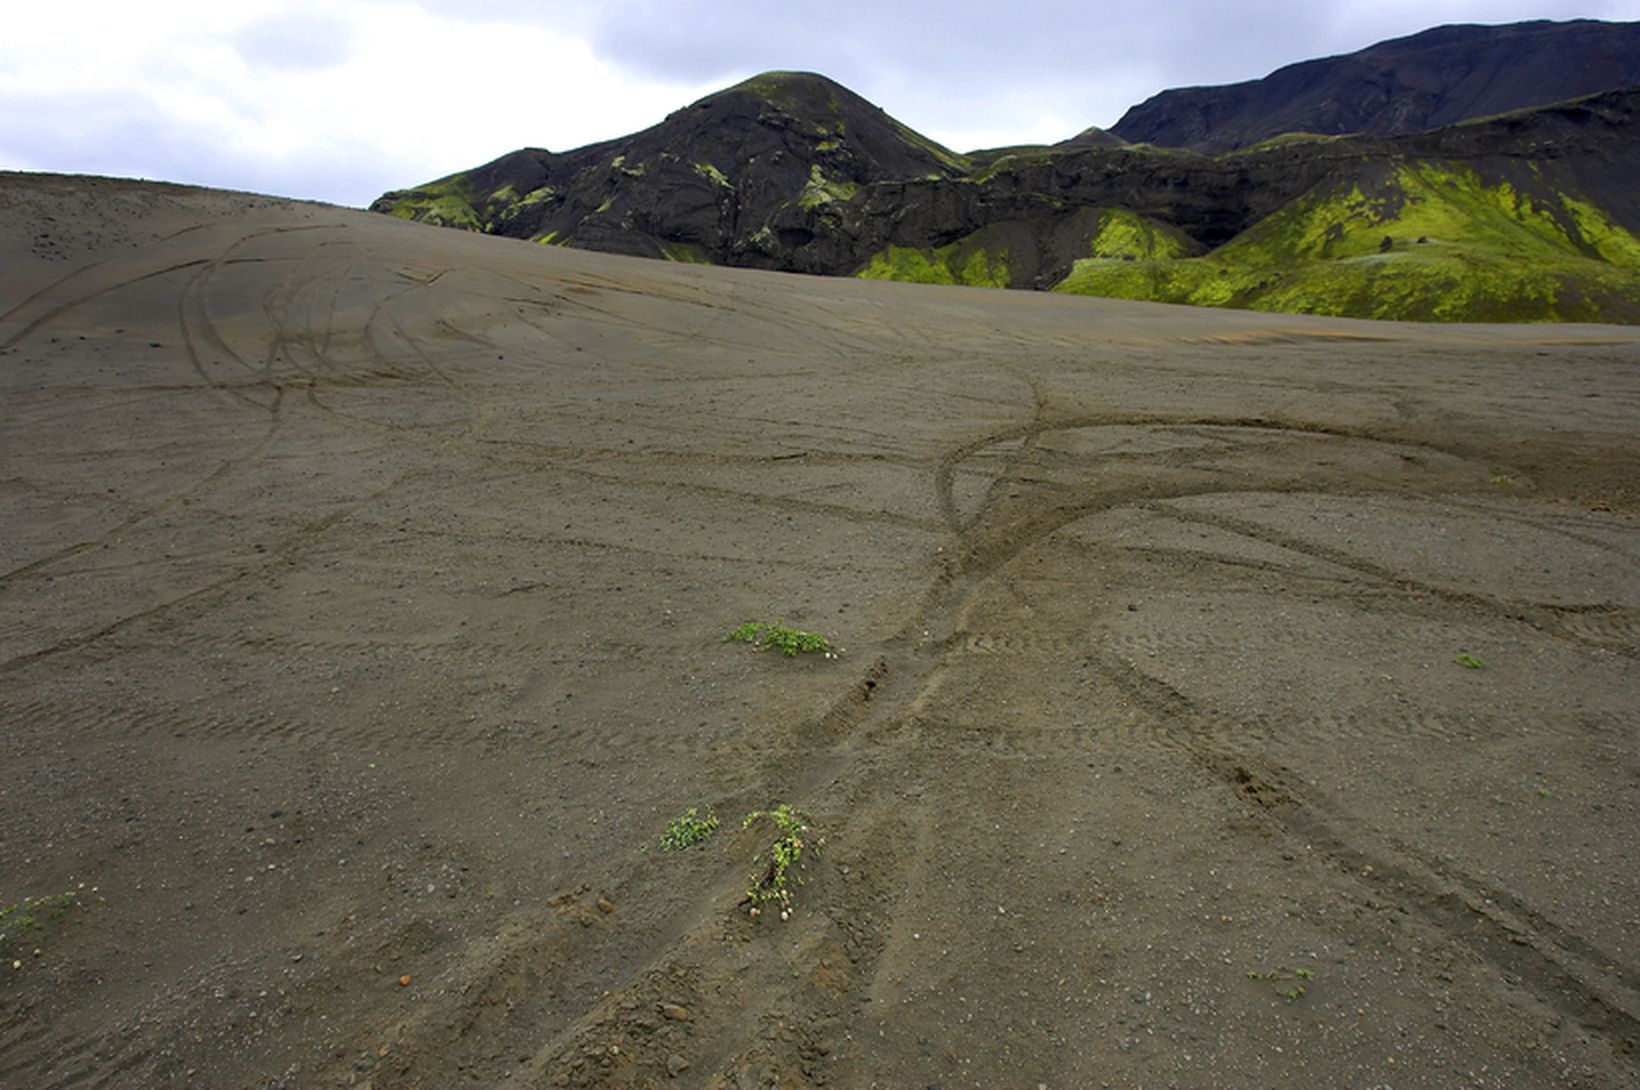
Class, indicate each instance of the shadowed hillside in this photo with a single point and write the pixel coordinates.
(1425, 81)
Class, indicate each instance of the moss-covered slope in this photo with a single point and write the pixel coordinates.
(1010, 254)
(1409, 239)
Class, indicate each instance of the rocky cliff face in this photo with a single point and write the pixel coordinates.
(1530, 215)
(1436, 78)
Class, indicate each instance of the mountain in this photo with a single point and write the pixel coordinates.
(1530, 215)
(1439, 77)
(746, 176)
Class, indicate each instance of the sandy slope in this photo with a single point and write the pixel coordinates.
(361, 616)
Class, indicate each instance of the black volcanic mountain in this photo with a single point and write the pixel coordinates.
(1530, 215)
(740, 177)
(1439, 77)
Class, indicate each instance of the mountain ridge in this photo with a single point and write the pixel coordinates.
(1437, 77)
(792, 171)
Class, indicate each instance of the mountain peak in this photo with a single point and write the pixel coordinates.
(780, 85)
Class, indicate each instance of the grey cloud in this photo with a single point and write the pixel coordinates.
(958, 42)
(950, 58)
(125, 136)
(961, 64)
(964, 65)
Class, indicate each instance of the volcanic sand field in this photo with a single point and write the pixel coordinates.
(361, 629)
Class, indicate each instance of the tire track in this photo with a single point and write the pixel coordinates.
(194, 320)
(1562, 974)
(63, 308)
(86, 296)
(299, 539)
(1565, 971)
(1550, 617)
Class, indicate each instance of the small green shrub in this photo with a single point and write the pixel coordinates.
(774, 879)
(782, 637)
(1469, 662)
(1284, 979)
(688, 829)
(30, 915)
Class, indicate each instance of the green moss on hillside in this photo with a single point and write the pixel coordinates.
(1128, 236)
(511, 211)
(1427, 242)
(822, 190)
(967, 261)
(1013, 159)
(686, 252)
(1286, 139)
(712, 174)
(785, 89)
(1608, 241)
(444, 203)
(953, 161)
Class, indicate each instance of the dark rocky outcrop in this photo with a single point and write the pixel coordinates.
(748, 176)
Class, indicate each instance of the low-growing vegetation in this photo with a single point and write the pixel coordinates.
(781, 637)
(775, 877)
(688, 829)
(1288, 982)
(31, 918)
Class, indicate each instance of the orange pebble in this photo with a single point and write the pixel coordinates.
(404, 981)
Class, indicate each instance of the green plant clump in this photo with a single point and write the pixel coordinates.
(1284, 978)
(774, 880)
(1469, 662)
(782, 637)
(31, 915)
(688, 829)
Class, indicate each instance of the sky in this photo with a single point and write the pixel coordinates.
(342, 100)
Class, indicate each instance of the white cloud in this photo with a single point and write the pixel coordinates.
(345, 99)
(404, 93)
(295, 40)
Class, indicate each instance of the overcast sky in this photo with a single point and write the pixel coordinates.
(343, 99)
